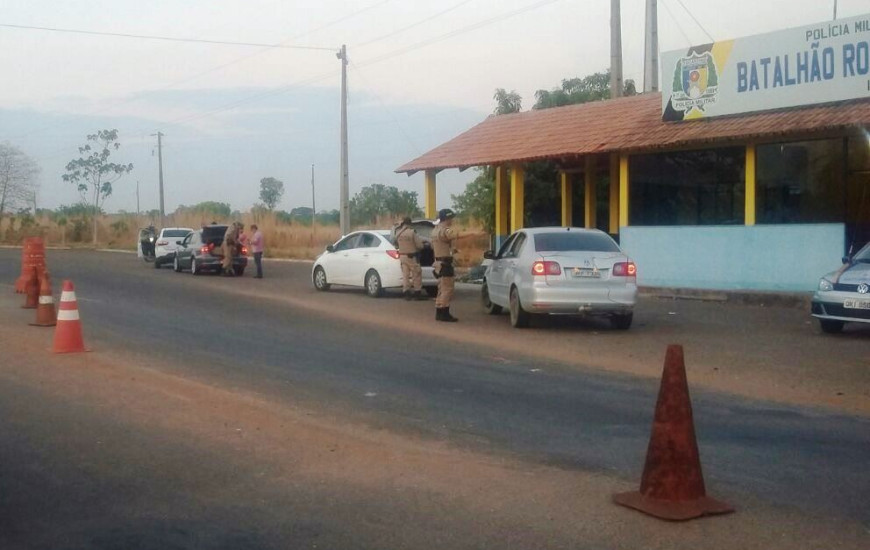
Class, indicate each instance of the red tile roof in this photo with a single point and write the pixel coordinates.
(625, 124)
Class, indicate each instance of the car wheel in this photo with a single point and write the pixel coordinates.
(490, 307)
(622, 321)
(194, 269)
(432, 291)
(831, 326)
(320, 282)
(373, 284)
(519, 317)
(176, 266)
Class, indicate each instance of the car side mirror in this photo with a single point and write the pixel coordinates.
(330, 248)
(489, 255)
(846, 259)
(179, 242)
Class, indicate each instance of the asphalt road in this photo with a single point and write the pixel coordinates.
(540, 412)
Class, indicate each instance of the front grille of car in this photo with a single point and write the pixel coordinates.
(837, 310)
(845, 287)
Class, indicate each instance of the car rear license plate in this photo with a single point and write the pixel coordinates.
(856, 304)
(584, 273)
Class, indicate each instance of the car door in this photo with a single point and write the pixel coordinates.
(511, 266)
(495, 280)
(337, 263)
(188, 249)
(360, 258)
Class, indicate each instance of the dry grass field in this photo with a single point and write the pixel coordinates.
(283, 240)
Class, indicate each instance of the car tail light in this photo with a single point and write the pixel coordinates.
(625, 269)
(204, 250)
(162, 243)
(546, 268)
(244, 251)
(394, 254)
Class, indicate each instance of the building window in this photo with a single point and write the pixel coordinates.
(800, 182)
(704, 187)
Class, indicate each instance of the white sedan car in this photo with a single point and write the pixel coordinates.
(561, 271)
(167, 244)
(364, 259)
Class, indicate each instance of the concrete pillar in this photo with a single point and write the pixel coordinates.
(749, 180)
(623, 191)
(518, 188)
(429, 188)
(566, 183)
(589, 195)
(502, 205)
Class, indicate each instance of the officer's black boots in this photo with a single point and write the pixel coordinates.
(443, 314)
(407, 294)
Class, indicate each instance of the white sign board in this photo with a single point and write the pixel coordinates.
(801, 66)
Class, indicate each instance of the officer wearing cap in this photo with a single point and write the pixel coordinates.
(409, 244)
(443, 237)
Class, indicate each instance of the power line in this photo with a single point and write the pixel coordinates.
(416, 24)
(677, 23)
(166, 38)
(457, 32)
(700, 26)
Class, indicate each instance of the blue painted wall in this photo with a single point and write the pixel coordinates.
(761, 257)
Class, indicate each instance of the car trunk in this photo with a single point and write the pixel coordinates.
(213, 238)
(586, 269)
(427, 255)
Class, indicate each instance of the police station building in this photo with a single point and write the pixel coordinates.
(750, 171)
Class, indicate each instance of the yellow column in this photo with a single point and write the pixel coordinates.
(614, 194)
(502, 203)
(589, 195)
(518, 188)
(429, 195)
(567, 185)
(623, 190)
(749, 214)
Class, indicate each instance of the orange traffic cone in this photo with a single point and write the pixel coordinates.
(45, 316)
(31, 300)
(68, 334)
(672, 486)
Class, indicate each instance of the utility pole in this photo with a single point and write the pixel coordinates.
(160, 171)
(137, 198)
(651, 48)
(615, 50)
(344, 206)
(835, 10)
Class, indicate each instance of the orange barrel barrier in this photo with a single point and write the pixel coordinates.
(45, 315)
(31, 300)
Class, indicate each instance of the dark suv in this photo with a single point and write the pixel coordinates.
(201, 251)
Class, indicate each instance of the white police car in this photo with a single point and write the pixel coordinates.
(844, 295)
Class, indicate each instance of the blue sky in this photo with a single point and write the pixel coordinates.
(404, 99)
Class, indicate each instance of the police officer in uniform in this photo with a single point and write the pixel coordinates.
(443, 237)
(231, 239)
(409, 244)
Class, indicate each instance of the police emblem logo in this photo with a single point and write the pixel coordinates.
(696, 82)
(863, 288)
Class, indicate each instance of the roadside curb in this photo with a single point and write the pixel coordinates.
(14, 246)
(743, 297)
(116, 250)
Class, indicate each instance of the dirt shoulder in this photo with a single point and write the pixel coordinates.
(434, 495)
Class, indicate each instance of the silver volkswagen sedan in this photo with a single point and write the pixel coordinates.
(844, 295)
(560, 271)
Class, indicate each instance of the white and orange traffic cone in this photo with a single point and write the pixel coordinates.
(68, 334)
(45, 316)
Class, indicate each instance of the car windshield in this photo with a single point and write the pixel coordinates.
(574, 242)
(175, 232)
(863, 255)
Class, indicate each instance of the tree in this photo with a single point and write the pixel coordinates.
(208, 209)
(594, 87)
(93, 174)
(271, 191)
(378, 200)
(478, 200)
(18, 173)
(507, 102)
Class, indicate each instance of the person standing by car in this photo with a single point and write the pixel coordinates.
(257, 249)
(443, 237)
(409, 244)
(231, 240)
